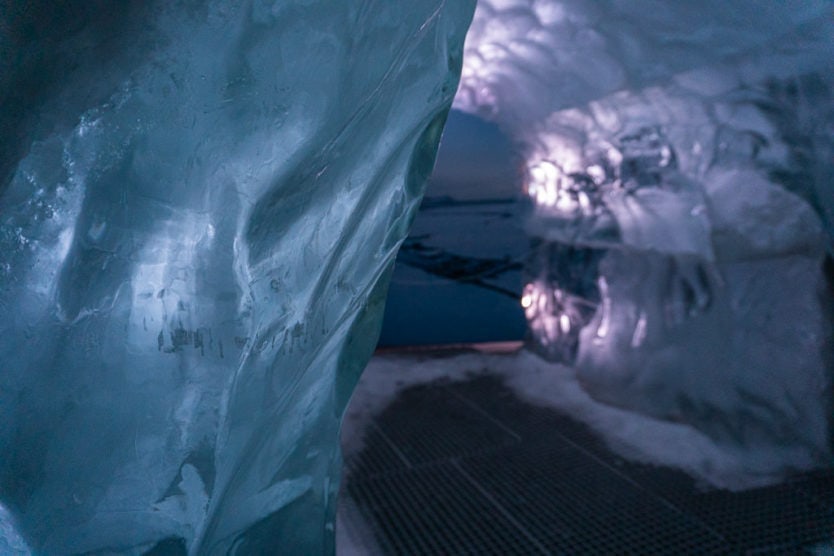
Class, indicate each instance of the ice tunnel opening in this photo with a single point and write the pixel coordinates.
(675, 186)
(458, 274)
(196, 231)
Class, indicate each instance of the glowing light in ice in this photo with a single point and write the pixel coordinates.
(639, 331)
(564, 323)
(549, 311)
(602, 330)
(548, 186)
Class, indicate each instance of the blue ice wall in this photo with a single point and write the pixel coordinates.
(199, 209)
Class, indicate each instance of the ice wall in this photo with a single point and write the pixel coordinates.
(199, 209)
(679, 162)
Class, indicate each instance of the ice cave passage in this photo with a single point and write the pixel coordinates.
(201, 204)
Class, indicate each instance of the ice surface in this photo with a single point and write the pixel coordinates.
(526, 59)
(11, 542)
(598, 91)
(683, 153)
(199, 209)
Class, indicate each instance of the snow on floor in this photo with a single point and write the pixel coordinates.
(354, 536)
(631, 435)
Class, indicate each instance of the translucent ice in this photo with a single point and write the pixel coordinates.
(199, 209)
(685, 150)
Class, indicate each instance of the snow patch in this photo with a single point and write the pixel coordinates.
(630, 435)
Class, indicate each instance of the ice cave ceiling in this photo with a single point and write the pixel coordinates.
(201, 203)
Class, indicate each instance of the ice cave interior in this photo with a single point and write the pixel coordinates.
(203, 204)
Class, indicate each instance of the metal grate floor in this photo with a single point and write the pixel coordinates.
(468, 468)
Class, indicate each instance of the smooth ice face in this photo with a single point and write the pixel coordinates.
(679, 166)
(199, 211)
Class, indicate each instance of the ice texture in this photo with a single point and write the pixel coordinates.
(680, 155)
(200, 207)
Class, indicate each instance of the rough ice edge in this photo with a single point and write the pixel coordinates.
(630, 435)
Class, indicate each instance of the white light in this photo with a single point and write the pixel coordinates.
(639, 332)
(565, 203)
(602, 331)
(596, 173)
(665, 156)
(584, 202)
(564, 323)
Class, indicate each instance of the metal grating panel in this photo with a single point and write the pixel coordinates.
(428, 423)
(435, 510)
(468, 468)
(577, 505)
(383, 458)
(779, 516)
(819, 486)
(783, 517)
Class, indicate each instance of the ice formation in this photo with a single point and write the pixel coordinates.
(199, 209)
(679, 158)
